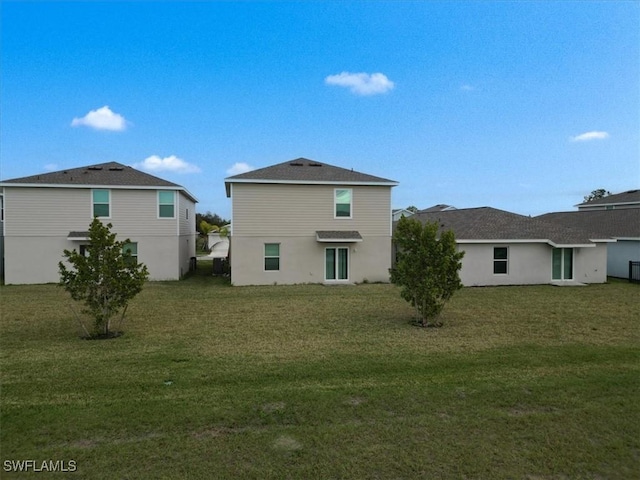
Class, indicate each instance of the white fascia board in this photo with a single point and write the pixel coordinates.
(106, 187)
(531, 240)
(501, 240)
(311, 182)
(628, 239)
(571, 245)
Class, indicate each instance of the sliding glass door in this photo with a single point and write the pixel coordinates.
(337, 263)
(562, 264)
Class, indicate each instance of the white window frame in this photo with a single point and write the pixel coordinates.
(573, 264)
(335, 203)
(174, 204)
(335, 260)
(132, 255)
(505, 260)
(265, 256)
(109, 202)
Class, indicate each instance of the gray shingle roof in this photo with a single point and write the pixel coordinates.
(303, 170)
(107, 174)
(486, 223)
(630, 196)
(338, 235)
(110, 174)
(600, 223)
(437, 208)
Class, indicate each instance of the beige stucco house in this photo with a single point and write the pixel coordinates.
(303, 221)
(48, 213)
(504, 248)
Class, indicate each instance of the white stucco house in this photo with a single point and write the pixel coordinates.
(218, 242)
(621, 224)
(504, 248)
(303, 221)
(47, 213)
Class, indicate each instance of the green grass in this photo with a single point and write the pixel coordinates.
(212, 381)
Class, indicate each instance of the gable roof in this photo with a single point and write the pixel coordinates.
(486, 225)
(622, 223)
(628, 197)
(110, 174)
(305, 171)
(441, 207)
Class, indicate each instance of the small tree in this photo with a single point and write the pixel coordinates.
(426, 267)
(105, 279)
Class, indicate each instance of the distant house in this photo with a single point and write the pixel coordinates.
(304, 221)
(504, 248)
(48, 213)
(622, 224)
(218, 242)
(441, 207)
(398, 213)
(618, 201)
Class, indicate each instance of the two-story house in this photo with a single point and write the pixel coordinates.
(303, 221)
(48, 213)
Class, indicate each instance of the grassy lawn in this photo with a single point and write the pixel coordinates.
(212, 381)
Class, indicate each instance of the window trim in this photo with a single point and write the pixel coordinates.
(501, 261)
(335, 203)
(160, 217)
(94, 203)
(335, 260)
(132, 255)
(563, 251)
(265, 257)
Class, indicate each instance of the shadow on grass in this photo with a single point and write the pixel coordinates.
(203, 274)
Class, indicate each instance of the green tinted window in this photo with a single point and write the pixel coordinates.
(272, 256)
(100, 203)
(343, 203)
(166, 204)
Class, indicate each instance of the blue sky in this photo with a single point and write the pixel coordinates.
(524, 106)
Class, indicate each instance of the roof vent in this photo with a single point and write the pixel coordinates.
(315, 164)
(296, 164)
(115, 169)
(94, 168)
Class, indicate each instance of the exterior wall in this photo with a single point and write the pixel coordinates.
(528, 264)
(290, 215)
(35, 259)
(302, 260)
(38, 221)
(187, 231)
(300, 210)
(618, 256)
(616, 206)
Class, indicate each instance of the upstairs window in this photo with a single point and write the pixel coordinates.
(101, 203)
(342, 197)
(500, 260)
(166, 204)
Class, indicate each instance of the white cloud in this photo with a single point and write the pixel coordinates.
(588, 136)
(167, 164)
(51, 167)
(361, 83)
(101, 119)
(467, 88)
(238, 168)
